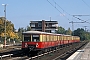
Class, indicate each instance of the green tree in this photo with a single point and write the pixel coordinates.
(60, 30)
(68, 32)
(80, 32)
(10, 33)
(20, 31)
(2, 26)
(28, 28)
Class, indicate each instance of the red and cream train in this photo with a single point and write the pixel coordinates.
(36, 40)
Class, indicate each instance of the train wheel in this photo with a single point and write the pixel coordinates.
(28, 55)
(39, 52)
(50, 49)
(45, 50)
(56, 48)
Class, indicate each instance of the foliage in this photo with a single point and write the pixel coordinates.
(28, 28)
(9, 29)
(2, 26)
(60, 30)
(80, 32)
(68, 32)
(84, 35)
(21, 30)
(13, 35)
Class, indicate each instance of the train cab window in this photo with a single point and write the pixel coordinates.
(35, 38)
(27, 38)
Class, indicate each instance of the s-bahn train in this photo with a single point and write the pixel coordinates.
(37, 41)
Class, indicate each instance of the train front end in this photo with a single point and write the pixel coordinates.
(31, 41)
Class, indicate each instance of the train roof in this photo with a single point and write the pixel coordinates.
(67, 35)
(39, 32)
(33, 32)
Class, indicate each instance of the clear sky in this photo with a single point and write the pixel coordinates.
(21, 12)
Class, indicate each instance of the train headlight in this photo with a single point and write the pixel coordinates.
(37, 45)
(26, 45)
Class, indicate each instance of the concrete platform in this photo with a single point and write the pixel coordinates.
(83, 54)
(86, 54)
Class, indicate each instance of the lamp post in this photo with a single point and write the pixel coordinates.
(5, 23)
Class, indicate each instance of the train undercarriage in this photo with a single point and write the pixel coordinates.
(32, 50)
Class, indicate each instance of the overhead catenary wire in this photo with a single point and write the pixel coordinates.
(86, 3)
(81, 19)
(84, 21)
(57, 9)
(72, 15)
(54, 6)
(61, 7)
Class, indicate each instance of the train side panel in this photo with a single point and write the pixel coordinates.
(44, 40)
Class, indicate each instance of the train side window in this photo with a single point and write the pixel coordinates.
(27, 38)
(72, 37)
(66, 38)
(54, 37)
(35, 38)
(62, 37)
(58, 38)
(51, 37)
(47, 37)
(43, 38)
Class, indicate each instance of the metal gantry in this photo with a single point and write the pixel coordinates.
(73, 25)
(78, 22)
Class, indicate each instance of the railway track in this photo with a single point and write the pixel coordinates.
(11, 48)
(59, 54)
(9, 51)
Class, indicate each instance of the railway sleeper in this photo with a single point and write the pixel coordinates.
(67, 54)
(46, 50)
